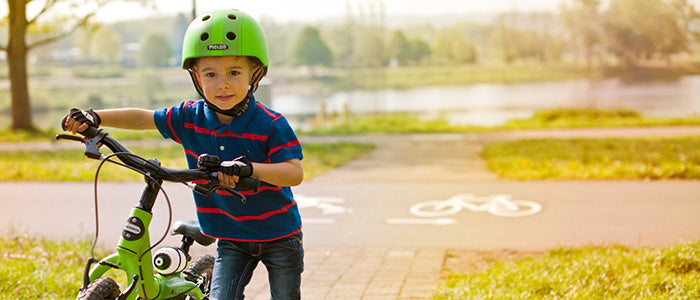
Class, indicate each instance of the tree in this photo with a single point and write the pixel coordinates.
(155, 51)
(179, 27)
(640, 29)
(419, 50)
(310, 50)
(462, 50)
(28, 32)
(106, 45)
(399, 48)
(583, 20)
(453, 47)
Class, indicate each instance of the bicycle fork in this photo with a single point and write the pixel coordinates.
(132, 256)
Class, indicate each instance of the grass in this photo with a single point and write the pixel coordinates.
(411, 123)
(34, 268)
(72, 165)
(319, 158)
(614, 158)
(601, 272)
(544, 119)
(41, 268)
(588, 117)
(383, 124)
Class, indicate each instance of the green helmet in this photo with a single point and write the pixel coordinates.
(224, 32)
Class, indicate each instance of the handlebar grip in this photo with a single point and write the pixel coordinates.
(90, 132)
(248, 183)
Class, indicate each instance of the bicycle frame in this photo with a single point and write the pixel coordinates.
(133, 256)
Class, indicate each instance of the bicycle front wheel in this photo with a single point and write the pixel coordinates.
(432, 209)
(201, 267)
(101, 289)
(515, 208)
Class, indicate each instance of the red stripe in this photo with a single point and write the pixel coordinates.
(248, 193)
(269, 113)
(275, 117)
(252, 241)
(287, 145)
(190, 153)
(170, 125)
(250, 136)
(213, 210)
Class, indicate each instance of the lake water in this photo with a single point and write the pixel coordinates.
(486, 104)
(492, 104)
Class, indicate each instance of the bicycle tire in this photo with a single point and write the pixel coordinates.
(101, 289)
(435, 208)
(524, 208)
(201, 266)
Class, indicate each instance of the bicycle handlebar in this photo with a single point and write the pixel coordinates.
(95, 138)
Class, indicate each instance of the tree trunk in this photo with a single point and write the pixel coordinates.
(17, 63)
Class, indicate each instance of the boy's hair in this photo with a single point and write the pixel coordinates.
(252, 60)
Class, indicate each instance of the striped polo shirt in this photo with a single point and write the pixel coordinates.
(263, 136)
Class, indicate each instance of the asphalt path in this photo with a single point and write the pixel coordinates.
(367, 202)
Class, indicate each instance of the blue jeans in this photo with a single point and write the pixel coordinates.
(235, 262)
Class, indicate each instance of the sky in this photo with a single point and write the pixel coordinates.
(314, 10)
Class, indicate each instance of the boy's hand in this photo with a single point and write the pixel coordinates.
(232, 170)
(227, 180)
(240, 166)
(79, 120)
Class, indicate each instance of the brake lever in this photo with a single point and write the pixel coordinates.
(233, 192)
(70, 137)
(92, 145)
(208, 189)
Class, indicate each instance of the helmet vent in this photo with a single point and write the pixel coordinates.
(207, 17)
(204, 36)
(231, 36)
(232, 17)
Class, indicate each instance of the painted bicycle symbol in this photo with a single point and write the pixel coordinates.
(499, 205)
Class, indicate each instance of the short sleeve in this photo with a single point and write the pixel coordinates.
(284, 144)
(169, 121)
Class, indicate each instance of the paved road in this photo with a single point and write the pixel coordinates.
(361, 239)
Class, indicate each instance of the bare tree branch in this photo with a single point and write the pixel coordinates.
(54, 38)
(47, 5)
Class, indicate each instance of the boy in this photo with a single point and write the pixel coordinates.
(225, 52)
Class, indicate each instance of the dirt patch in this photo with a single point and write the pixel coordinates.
(473, 261)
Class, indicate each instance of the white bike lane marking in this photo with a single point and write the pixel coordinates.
(498, 205)
(327, 205)
(436, 221)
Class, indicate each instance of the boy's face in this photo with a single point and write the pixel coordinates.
(224, 79)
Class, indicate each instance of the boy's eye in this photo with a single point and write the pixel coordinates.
(210, 74)
(235, 73)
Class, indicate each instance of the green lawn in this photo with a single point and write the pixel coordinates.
(35, 268)
(544, 119)
(610, 272)
(614, 158)
(72, 165)
(40, 268)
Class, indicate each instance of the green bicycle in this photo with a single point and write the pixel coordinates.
(168, 273)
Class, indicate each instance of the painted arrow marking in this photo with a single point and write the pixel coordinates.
(318, 220)
(437, 221)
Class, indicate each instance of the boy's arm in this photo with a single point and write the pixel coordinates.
(287, 173)
(125, 118)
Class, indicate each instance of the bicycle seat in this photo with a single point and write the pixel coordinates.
(191, 229)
